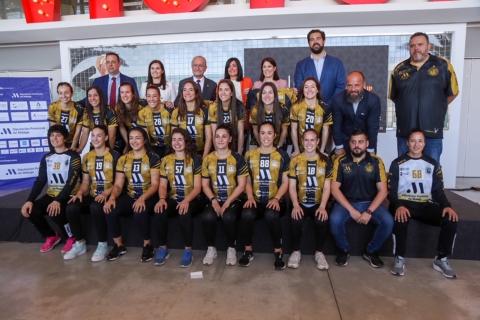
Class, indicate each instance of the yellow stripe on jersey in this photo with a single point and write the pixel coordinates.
(137, 172)
(157, 123)
(101, 169)
(68, 118)
(180, 175)
(194, 123)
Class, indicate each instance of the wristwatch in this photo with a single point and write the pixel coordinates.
(368, 211)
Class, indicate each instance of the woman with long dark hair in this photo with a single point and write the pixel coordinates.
(228, 109)
(135, 192)
(269, 73)
(234, 73)
(157, 77)
(127, 109)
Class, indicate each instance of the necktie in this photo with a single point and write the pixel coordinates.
(199, 86)
(113, 93)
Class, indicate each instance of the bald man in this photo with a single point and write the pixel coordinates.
(355, 108)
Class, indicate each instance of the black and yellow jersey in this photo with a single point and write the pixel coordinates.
(269, 117)
(194, 123)
(227, 114)
(157, 123)
(223, 173)
(310, 175)
(266, 172)
(60, 171)
(359, 179)
(101, 169)
(68, 118)
(310, 118)
(133, 124)
(110, 119)
(180, 175)
(137, 172)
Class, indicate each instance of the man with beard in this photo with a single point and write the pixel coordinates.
(355, 108)
(359, 186)
(422, 87)
(329, 70)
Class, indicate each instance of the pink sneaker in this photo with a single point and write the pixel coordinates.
(68, 245)
(50, 243)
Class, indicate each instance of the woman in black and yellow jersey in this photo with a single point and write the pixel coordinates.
(228, 109)
(97, 112)
(68, 114)
(98, 168)
(310, 175)
(192, 115)
(138, 173)
(127, 109)
(266, 187)
(180, 185)
(310, 112)
(156, 119)
(269, 108)
(224, 176)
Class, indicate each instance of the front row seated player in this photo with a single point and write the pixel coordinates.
(416, 192)
(59, 170)
(359, 186)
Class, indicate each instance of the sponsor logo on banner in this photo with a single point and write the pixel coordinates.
(3, 105)
(30, 150)
(4, 116)
(24, 143)
(38, 105)
(45, 142)
(35, 143)
(4, 151)
(13, 151)
(19, 116)
(13, 144)
(22, 150)
(46, 149)
(3, 144)
(23, 130)
(39, 115)
(18, 171)
(18, 105)
(39, 149)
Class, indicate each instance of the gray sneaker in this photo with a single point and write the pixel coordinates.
(443, 266)
(398, 268)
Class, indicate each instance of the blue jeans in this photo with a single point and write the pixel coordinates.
(433, 147)
(380, 217)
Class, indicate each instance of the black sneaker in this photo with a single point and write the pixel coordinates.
(279, 264)
(373, 259)
(245, 259)
(342, 258)
(116, 252)
(147, 254)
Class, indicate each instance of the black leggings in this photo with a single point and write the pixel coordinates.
(37, 218)
(186, 221)
(321, 228)
(230, 216)
(124, 207)
(430, 214)
(272, 217)
(74, 210)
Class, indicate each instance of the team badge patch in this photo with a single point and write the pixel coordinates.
(188, 169)
(199, 119)
(404, 75)
(369, 168)
(166, 121)
(146, 167)
(108, 165)
(274, 163)
(318, 119)
(321, 171)
(231, 168)
(433, 71)
(429, 170)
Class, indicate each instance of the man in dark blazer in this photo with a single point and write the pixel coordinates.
(355, 108)
(209, 87)
(329, 70)
(113, 62)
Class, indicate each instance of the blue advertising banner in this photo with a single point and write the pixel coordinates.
(23, 130)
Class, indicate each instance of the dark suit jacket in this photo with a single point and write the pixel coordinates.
(208, 93)
(332, 80)
(367, 117)
(102, 82)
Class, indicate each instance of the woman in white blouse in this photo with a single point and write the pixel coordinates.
(157, 77)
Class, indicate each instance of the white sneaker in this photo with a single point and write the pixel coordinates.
(78, 248)
(231, 256)
(322, 264)
(101, 252)
(211, 254)
(294, 260)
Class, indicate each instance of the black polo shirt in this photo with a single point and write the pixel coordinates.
(359, 180)
(420, 95)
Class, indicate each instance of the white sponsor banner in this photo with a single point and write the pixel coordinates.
(39, 115)
(35, 143)
(4, 116)
(13, 144)
(4, 151)
(23, 130)
(39, 149)
(31, 150)
(19, 116)
(38, 105)
(19, 170)
(46, 149)
(18, 105)
(3, 106)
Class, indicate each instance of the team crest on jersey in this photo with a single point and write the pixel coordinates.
(318, 119)
(166, 120)
(369, 168)
(428, 170)
(275, 163)
(188, 169)
(198, 119)
(146, 167)
(321, 171)
(73, 120)
(108, 165)
(231, 168)
(433, 71)
(404, 75)
(212, 169)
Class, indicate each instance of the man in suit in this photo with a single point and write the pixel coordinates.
(110, 83)
(208, 87)
(355, 108)
(329, 70)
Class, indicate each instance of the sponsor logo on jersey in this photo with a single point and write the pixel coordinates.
(433, 71)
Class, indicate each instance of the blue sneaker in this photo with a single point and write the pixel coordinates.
(162, 255)
(187, 258)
